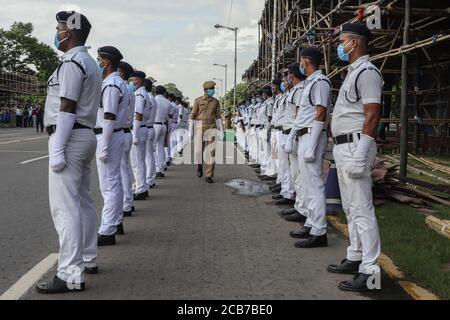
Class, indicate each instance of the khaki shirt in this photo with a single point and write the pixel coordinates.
(206, 109)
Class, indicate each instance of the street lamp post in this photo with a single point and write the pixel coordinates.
(226, 74)
(221, 90)
(235, 29)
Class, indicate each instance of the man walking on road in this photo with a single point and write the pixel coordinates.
(206, 120)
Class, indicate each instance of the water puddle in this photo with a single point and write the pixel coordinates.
(248, 188)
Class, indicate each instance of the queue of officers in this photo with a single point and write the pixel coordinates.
(283, 130)
(105, 110)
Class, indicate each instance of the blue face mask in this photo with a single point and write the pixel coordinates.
(302, 69)
(283, 87)
(133, 86)
(342, 54)
(56, 41)
(100, 69)
(259, 100)
(211, 92)
(254, 101)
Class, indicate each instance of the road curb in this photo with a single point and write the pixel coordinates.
(414, 290)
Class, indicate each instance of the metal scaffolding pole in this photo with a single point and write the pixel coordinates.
(404, 96)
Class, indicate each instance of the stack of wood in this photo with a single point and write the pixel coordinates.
(440, 226)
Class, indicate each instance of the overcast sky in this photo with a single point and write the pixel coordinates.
(171, 40)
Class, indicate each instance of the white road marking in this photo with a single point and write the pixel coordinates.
(21, 140)
(22, 151)
(35, 159)
(30, 278)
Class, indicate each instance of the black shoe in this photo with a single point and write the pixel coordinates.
(284, 202)
(133, 209)
(287, 212)
(274, 186)
(140, 197)
(262, 176)
(120, 230)
(276, 190)
(165, 169)
(168, 163)
(93, 270)
(56, 285)
(127, 214)
(269, 178)
(296, 217)
(160, 175)
(103, 241)
(303, 233)
(209, 180)
(346, 267)
(358, 284)
(277, 197)
(258, 171)
(200, 171)
(313, 242)
(255, 166)
(146, 194)
(180, 154)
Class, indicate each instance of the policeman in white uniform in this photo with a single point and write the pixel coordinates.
(265, 119)
(354, 125)
(310, 128)
(171, 124)
(290, 143)
(150, 160)
(284, 171)
(111, 119)
(161, 122)
(140, 135)
(174, 135)
(126, 70)
(275, 134)
(183, 127)
(70, 112)
(255, 126)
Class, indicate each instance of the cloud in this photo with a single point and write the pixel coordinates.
(172, 40)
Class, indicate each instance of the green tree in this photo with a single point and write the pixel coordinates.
(241, 93)
(172, 89)
(21, 52)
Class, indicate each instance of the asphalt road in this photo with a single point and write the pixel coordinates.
(190, 240)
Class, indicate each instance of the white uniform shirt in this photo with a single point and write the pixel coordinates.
(173, 113)
(318, 88)
(184, 115)
(142, 104)
(132, 101)
(279, 109)
(77, 79)
(292, 103)
(163, 109)
(153, 110)
(257, 116)
(114, 100)
(348, 113)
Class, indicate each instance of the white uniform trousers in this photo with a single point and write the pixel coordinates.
(357, 201)
(111, 184)
(272, 155)
(312, 192)
(247, 138)
(150, 160)
(181, 135)
(173, 140)
(287, 182)
(138, 161)
(126, 173)
(160, 138)
(72, 207)
(262, 149)
(253, 145)
(240, 136)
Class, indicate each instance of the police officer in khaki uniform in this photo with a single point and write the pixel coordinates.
(206, 123)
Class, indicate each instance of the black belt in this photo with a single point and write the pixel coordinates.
(259, 126)
(127, 130)
(345, 138)
(52, 129)
(252, 125)
(150, 127)
(278, 128)
(288, 131)
(98, 131)
(161, 123)
(302, 132)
